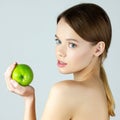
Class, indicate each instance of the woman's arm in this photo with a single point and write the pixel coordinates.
(28, 93)
(59, 105)
(30, 112)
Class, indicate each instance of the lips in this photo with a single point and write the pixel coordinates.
(61, 64)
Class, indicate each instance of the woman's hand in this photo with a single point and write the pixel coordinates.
(13, 86)
(26, 92)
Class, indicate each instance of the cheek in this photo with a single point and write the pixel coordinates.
(81, 59)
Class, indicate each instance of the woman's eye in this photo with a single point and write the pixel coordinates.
(58, 41)
(72, 45)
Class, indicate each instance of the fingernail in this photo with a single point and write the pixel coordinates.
(14, 63)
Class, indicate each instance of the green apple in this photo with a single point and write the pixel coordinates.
(23, 74)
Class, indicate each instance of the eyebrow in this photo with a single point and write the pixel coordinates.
(56, 36)
(68, 39)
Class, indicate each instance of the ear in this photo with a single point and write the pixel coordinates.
(99, 48)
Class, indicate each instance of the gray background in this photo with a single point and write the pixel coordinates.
(27, 29)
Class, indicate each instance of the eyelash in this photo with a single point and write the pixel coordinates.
(70, 44)
(58, 41)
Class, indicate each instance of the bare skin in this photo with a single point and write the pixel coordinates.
(27, 93)
(68, 100)
(80, 99)
(76, 101)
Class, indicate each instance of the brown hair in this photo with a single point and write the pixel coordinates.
(92, 23)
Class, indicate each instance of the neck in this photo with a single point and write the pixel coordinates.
(91, 72)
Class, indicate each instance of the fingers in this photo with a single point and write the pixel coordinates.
(8, 74)
(14, 87)
(21, 90)
(9, 70)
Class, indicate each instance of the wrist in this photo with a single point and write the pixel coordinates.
(30, 97)
(30, 111)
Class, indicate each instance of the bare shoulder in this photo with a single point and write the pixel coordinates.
(60, 104)
(79, 92)
(62, 87)
(69, 89)
(76, 88)
(72, 99)
(65, 86)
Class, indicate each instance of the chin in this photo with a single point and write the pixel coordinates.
(65, 72)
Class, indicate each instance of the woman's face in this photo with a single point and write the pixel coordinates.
(73, 53)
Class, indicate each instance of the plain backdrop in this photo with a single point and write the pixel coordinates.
(27, 29)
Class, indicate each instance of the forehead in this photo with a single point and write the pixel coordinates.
(64, 30)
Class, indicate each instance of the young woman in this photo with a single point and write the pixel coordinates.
(82, 38)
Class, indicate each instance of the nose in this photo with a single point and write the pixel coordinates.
(61, 51)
